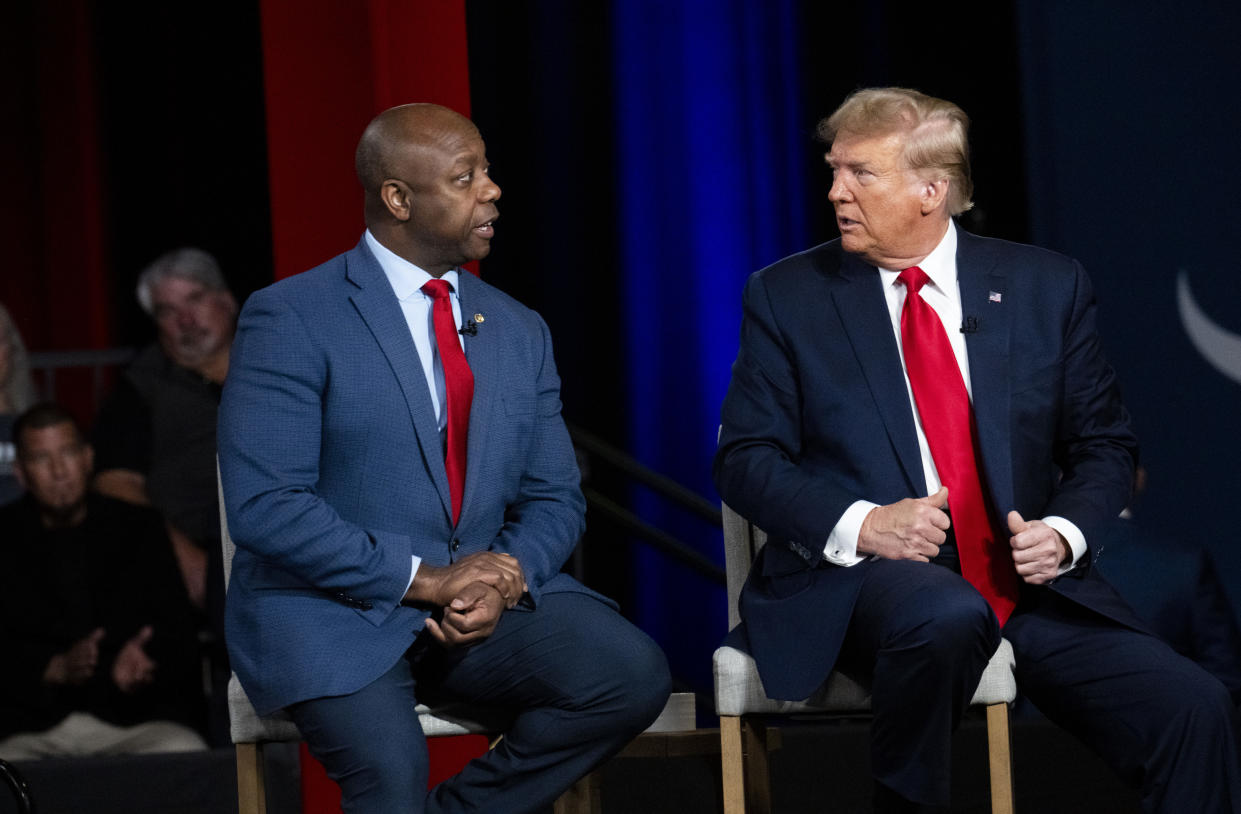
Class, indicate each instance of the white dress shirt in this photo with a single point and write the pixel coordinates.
(943, 294)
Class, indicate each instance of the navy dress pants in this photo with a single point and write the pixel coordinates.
(1162, 722)
(922, 636)
(579, 680)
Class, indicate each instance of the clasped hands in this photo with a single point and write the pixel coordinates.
(914, 529)
(472, 592)
(132, 668)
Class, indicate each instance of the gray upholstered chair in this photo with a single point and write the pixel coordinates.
(739, 695)
(249, 731)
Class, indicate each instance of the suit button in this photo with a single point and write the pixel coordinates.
(456, 544)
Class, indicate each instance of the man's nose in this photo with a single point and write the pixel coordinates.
(490, 191)
(838, 192)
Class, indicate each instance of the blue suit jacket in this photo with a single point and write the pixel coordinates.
(333, 474)
(817, 416)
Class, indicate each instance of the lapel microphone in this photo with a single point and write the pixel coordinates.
(469, 329)
(970, 325)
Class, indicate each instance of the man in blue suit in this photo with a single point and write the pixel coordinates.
(372, 573)
(832, 445)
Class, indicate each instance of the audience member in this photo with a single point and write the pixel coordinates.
(100, 651)
(16, 394)
(155, 436)
(1174, 586)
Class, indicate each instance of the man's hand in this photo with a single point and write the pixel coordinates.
(441, 585)
(470, 617)
(1038, 549)
(77, 664)
(133, 668)
(908, 530)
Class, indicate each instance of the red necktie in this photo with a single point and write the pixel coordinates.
(948, 421)
(459, 384)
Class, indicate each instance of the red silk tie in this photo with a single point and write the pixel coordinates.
(948, 421)
(459, 384)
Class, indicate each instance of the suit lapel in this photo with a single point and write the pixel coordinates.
(381, 312)
(861, 307)
(985, 296)
(482, 351)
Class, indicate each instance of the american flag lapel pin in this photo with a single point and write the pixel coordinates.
(994, 296)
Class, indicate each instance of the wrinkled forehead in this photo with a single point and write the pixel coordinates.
(440, 149)
(851, 147)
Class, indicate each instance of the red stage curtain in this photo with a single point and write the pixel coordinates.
(330, 66)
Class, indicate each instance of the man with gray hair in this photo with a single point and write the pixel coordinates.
(924, 424)
(155, 436)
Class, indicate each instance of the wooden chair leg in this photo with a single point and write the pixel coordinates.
(581, 798)
(732, 764)
(1000, 755)
(743, 761)
(251, 793)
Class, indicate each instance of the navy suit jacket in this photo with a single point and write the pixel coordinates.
(817, 416)
(333, 474)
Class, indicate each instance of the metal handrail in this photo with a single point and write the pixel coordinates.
(47, 362)
(662, 485)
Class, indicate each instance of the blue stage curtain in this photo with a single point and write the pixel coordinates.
(712, 149)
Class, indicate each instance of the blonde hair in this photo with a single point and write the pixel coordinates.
(16, 388)
(936, 134)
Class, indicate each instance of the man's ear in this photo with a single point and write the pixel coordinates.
(395, 195)
(934, 194)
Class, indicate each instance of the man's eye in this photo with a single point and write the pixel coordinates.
(466, 178)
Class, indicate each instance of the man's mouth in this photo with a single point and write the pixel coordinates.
(487, 228)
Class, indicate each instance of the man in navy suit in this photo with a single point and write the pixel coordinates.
(367, 576)
(830, 445)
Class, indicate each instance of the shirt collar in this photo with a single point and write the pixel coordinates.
(405, 278)
(940, 265)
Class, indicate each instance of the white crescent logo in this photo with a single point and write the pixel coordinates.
(1218, 346)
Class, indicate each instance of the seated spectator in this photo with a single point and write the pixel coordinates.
(155, 436)
(1174, 587)
(16, 394)
(100, 653)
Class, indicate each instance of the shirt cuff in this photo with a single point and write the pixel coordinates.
(413, 571)
(1073, 536)
(841, 547)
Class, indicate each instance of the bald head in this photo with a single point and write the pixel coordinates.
(395, 136)
(429, 195)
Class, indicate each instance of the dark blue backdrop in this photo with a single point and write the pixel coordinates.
(1132, 122)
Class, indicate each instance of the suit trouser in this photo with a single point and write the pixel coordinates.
(1163, 723)
(580, 680)
(923, 636)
